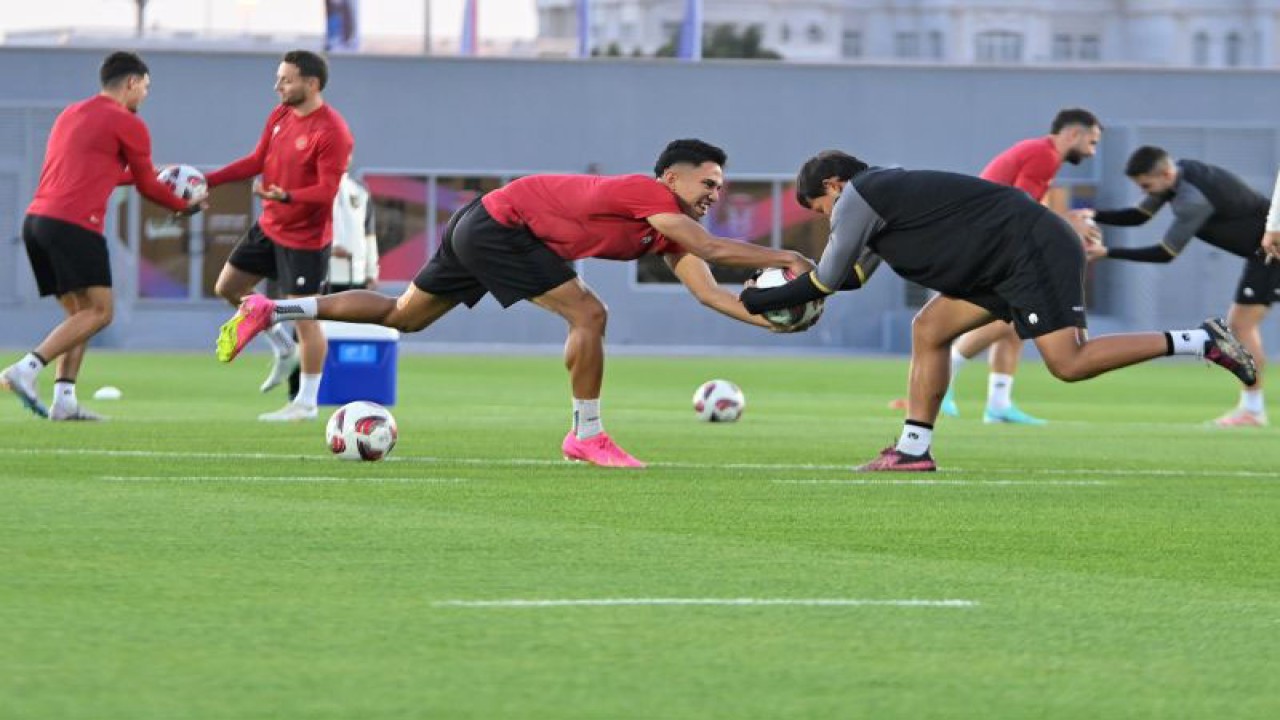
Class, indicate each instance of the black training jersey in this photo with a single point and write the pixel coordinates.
(1208, 202)
(949, 232)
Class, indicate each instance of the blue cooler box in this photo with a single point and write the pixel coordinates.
(361, 364)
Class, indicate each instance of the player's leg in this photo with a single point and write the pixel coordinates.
(1006, 352)
(302, 274)
(587, 319)
(66, 405)
(252, 259)
(1245, 322)
(934, 329)
(965, 348)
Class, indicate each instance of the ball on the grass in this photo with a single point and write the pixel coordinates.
(719, 401)
(361, 430)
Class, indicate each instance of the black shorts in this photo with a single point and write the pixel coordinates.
(64, 256)
(1259, 283)
(1043, 290)
(296, 272)
(480, 255)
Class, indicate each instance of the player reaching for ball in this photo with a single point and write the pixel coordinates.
(991, 252)
(94, 145)
(518, 242)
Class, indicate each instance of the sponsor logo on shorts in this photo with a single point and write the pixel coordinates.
(1033, 318)
(301, 281)
(1247, 292)
(1077, 308)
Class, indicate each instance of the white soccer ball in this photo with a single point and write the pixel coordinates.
(361, 431)
(787, 317)
(185, 181)
(719, 401)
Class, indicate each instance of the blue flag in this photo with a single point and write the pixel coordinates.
(691, 32)
(467, 43)
(584, 28)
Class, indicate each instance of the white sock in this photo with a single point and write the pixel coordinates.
(64, 393)
(957, 361)
(308, 389)
(915, 439)
(296, 308)
(1188, 342)
(1251, 400)
(586, 418)
(29, 366)
(999, 391)
(280, 339)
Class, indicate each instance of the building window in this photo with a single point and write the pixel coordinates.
(784, 33)
(937, 50)
(999, 46)
(628, 32)
(815, 33)
(1090, 47)
(1234, 50)
(906, 45)
(1062, 47)
(851, 46)
(1200, 49)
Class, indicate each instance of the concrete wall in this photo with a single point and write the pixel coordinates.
(500, 116)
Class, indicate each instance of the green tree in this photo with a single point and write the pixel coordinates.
(725, 41)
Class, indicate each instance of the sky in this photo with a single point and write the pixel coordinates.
(497, 18)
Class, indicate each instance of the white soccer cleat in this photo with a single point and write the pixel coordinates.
(281, 368)
(293, 412)
(23, 386)
(73, 413)
(1241, 418)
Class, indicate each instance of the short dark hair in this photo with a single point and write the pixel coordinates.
(691, 151)
(1144, 160)
(1073, 116)
(826, 164)
(119, 65)
(309, 64)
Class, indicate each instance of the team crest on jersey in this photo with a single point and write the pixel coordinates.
(647, 239)
(300, 143)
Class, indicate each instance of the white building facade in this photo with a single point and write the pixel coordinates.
(1175, 33)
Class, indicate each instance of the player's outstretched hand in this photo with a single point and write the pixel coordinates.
(269, 192)
(1095, 250)
(800, 265)
(1271, 246)
(195, 205)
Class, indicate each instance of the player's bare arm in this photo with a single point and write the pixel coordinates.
(718, 251)
(694, 273)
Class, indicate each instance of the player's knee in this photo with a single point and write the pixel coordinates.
(225, 291)
(101, 315)
(927, 331)
(1067, 370)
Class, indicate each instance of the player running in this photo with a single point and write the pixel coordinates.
(1216, 206)
(91, 144)
(302, 154)
(992, 253)
(518, 243)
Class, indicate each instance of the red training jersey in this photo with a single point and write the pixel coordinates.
(581, 216)
(1029, 165)
(305, 156)
(92, 142)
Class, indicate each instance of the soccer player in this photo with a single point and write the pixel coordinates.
(1213, 204)
(991, 252)
(518, 242)
(301, 157)
(94, 145)
(1029, 165)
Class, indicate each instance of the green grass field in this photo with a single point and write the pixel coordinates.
(185, 561)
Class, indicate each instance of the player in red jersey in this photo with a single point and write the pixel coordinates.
(301, 157)
(518, 243)
(94, 145)
(1029, 165)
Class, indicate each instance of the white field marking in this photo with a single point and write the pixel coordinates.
(277, 478)
(716, 602)
(320, 456)
(972, 483)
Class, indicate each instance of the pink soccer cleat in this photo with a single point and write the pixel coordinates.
(1241, 418)
(597, 450)
(256, 314)
(890, 459)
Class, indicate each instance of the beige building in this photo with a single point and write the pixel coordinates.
(1181, 33)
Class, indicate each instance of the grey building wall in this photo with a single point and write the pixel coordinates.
(497, 116)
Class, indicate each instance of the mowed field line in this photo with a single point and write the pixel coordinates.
(517, 603)
(547, 462)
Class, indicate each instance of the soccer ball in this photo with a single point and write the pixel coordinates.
(361, 431)
(787, 317)
(719, 401)
(185, 181)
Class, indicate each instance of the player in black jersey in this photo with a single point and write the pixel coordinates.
(992, 253)
(1214, 205)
